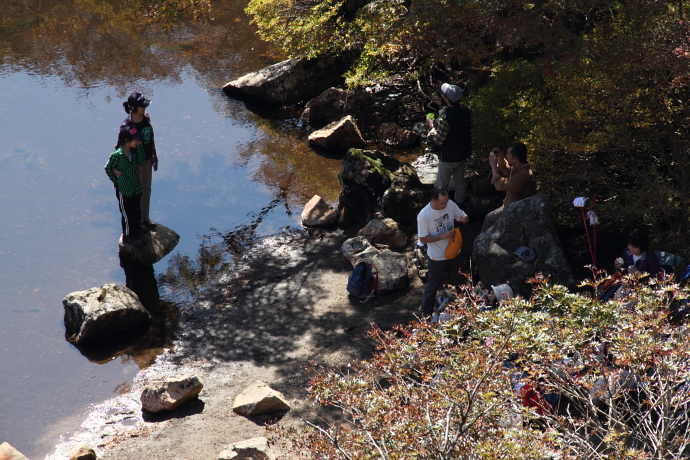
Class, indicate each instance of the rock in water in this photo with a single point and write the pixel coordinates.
(103, 311)
(528, 223)
(259, 399)
(317, 213)
(290, 81)
(251, 449)
(8, 452)
(159, 395)
(162, 240)
(343, 134)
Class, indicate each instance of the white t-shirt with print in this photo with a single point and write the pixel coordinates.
(432, 222)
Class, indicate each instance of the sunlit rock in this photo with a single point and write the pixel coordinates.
(392, 270)
(358, 248)
(384, 231)
(259, 399)
(342, 134)
(159, 395)
(162, 240)
(391, 266)
(8, 452)
(84, 453)
(318, 213)
(102, 311)
(290, 81)
(251, 449)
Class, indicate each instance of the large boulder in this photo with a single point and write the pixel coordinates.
(318, 213)
(364, 177)
(392, 134)
(101, 311)
(160, 395)
(259, 399)
(527, 223)
(7, 452)
(392, 269)
(290, 81)
(334, 104)
(341, 134)
(406, 196)
(384, 231)
(162, 240)
(250, 449)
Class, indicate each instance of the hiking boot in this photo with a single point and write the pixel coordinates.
(150, 225)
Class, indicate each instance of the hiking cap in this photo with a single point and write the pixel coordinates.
(525, 254)
(137, 100)
(452, 92)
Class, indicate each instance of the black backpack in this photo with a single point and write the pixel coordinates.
(363, 281)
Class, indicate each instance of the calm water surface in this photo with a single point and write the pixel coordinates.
(65, 68)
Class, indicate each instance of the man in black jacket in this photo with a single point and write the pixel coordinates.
(451, 137)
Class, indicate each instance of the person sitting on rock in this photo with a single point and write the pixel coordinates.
(435, 227)
(636, 259)
(512, 174)
(451, 134)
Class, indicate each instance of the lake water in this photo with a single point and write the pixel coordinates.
(65, 69)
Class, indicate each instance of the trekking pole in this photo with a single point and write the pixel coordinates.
(579, 202)
(596, 221)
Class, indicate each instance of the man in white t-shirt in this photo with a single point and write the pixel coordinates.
(435, 227)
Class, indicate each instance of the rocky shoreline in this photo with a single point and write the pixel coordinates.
(280, 307)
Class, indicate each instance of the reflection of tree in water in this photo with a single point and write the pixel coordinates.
(186, 277)
(88, 43)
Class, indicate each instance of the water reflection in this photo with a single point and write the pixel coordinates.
(65, 67)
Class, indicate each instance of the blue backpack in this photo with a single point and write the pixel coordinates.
(363, 281)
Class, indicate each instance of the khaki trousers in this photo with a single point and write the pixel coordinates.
(145, 177)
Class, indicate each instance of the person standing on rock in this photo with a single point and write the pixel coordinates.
(512, 174)
(122, 171)
(451, 134)
(435, 227)
(135, 106)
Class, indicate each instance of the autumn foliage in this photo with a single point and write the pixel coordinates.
(559, 376)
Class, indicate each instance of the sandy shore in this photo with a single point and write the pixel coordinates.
(282, 306)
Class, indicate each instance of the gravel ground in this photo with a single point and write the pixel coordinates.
(283, 305)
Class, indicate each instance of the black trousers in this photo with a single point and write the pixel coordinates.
(436, 268)
(130, 208)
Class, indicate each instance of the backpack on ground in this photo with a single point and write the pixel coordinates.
(364, 280)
